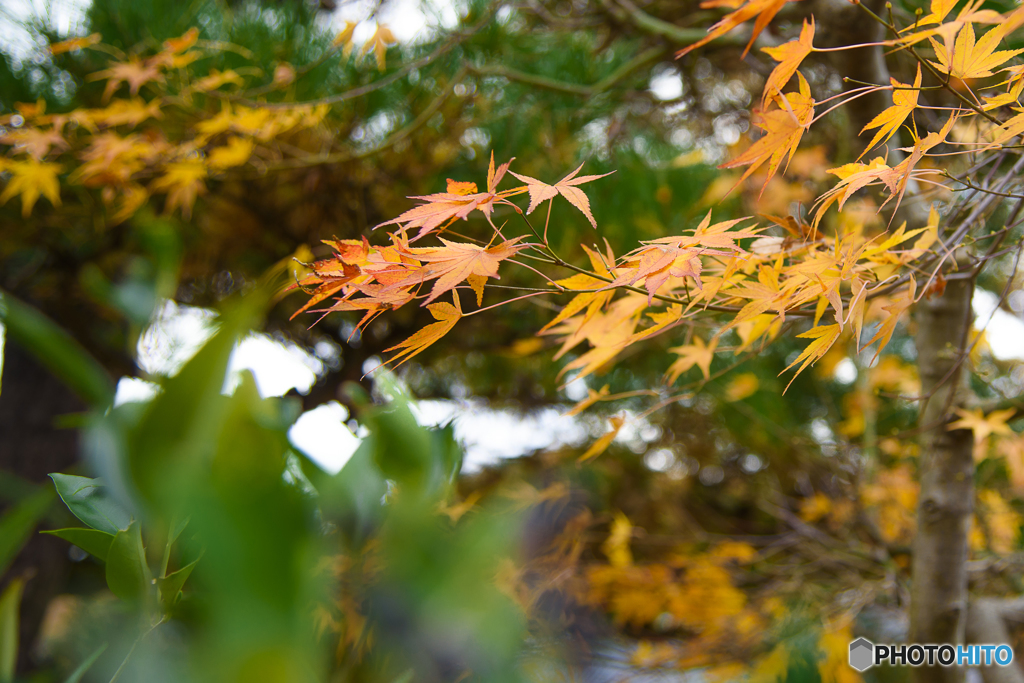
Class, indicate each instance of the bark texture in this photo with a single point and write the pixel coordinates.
(938, 606)
(30, 448)
(986, 624)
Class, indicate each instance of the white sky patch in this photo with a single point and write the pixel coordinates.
(322, 435)
(67, 16)
(490, 435)
(411, 21)
(134, 390)
(277, 367)
(667, 84)
(1005, 332)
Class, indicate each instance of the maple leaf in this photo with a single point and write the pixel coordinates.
(824, 337)
(73, 44)
(783, 129)
(592, 398)
(133, 72)
(968, 57)
(788, 55)
(217, 79)
(183, 182)
(602, 444)
(446, 316)
(698, 353)
(35, 141)
(904, 101)
(940, 9)
(344, 37)
(455, 261)
(984, 425)
(235, 153)
(461, 199)
(31, 178)
(541, 191)
(895, 310)
(764, 10)
(382, 38)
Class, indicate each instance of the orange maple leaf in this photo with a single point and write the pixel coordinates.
(602, 444)
(904, 101)
(456, 261)
(788, 55)
(764, 10)
(541, 191)
(446, 316)
(461, 199)
(783, 129)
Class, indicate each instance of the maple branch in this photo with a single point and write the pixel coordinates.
(386, 144)
(626, 12)
(546, 83)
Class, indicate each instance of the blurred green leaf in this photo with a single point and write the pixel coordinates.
(57, 351)
(87, 500)
(77, 674)
(128, 575)
(177, 435)
(17, 524)
(172, 584)
(93, 541)
(10, 602)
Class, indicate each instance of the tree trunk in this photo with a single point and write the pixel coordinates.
(30, 448)
(938, 605)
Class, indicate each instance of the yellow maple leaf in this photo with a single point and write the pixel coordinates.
(31, 178)
(743, 385)
(235, 153)
(895, 310)
(602, 444)
(446, 315)
(968, 57)
(698, 353)
(592, 398)
(183, 181)
(788, 55)
(983, 425)
(904, 101)
(616, 546)
(824, 337)
(74, 44)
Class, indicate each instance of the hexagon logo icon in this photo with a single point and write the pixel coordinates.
(862, 654)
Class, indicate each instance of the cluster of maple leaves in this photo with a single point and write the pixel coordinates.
(759, 280)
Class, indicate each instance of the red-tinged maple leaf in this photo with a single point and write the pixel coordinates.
(895, 310)
(461, 199)
(788, 55)
(698, 353)
(783, 127)
(455, 261)
(711, 237)
(764, 10)
(541, 191)
(824, 337)
(904, 101)
(134, 72)
(36, 142)
(327, 285)
(966, 57)
(446, 316)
